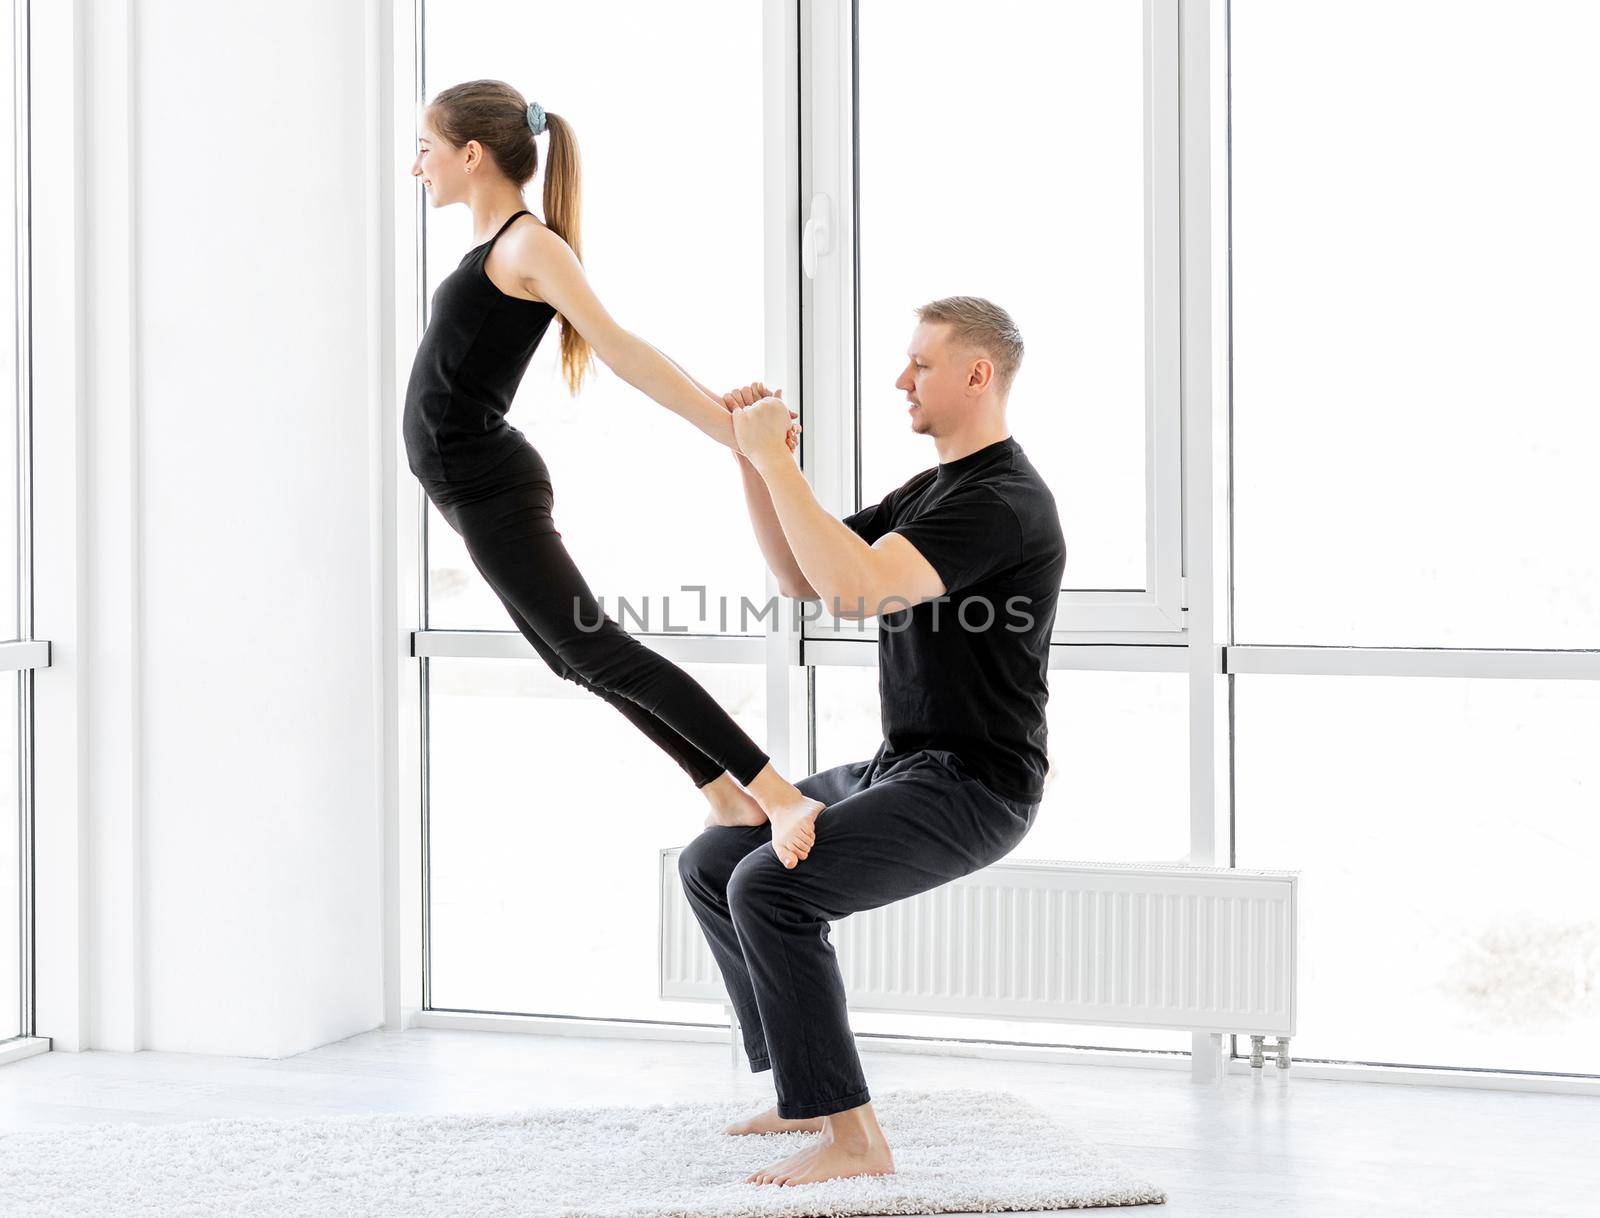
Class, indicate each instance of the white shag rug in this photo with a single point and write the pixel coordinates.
(955, 1151)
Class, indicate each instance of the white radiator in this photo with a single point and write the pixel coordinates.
(1149, 945)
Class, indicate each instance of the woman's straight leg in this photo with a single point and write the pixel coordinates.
(511, 537)
(700, 768)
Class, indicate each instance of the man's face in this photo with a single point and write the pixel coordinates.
(934, 380)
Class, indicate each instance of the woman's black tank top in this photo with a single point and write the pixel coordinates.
(468, 365)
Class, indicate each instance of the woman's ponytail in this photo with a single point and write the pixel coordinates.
(562, 200)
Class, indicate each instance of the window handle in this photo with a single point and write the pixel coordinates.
(818, 236)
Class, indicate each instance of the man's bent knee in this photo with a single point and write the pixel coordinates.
(694, 864)
(756, 882)
(710, 858)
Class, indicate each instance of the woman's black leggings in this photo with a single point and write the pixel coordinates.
(504, 517)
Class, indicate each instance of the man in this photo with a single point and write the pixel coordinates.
(963, 562)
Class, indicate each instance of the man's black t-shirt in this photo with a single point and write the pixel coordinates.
(967, 672)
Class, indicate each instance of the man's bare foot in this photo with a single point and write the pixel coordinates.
(833, 1161)
(730, 803)
(770, 1122)
(793, 815)
(852, 1144)
(769, 1174)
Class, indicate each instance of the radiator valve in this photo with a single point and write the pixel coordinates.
(1257, 1060)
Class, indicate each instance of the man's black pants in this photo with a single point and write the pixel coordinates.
(893, 827)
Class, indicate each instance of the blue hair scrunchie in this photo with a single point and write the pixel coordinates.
(535, 117)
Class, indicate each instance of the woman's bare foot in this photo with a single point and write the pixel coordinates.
(730, 803)
(770, 1122)
(793, 815)
(852, 1144)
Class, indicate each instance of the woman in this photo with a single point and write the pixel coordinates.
(477, 145)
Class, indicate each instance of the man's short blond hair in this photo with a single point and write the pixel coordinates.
(976, 322)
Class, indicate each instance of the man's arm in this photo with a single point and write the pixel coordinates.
(763, 519)
(769, 535)
(854, 579)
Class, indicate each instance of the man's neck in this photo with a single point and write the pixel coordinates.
(965, 443)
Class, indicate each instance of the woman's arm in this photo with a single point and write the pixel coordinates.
(740, 397)
(547, 265)
(715, 397)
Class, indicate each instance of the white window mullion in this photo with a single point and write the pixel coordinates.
(1206, 406)
(1163, 287)
(1090, 617)
(827, 270)
(827, 283)
(788, 741)
(397, 42)
(1206, 431)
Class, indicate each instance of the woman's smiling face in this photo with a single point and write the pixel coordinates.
(440, 166)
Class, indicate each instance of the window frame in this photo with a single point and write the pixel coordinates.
(23, 654)
(832, 399)
(1182, 623)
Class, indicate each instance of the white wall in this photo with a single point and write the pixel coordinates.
(222, 766)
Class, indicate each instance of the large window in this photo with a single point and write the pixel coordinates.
(547, 817)
(672, 245)
(1031, 157)
(1391, 299)
(1415, 414)
(1414, 260)
(1117, 790)
(1020, 179)
(1448, 835)
(546, 809)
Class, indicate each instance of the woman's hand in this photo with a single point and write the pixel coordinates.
(752, 393)
(761, 433)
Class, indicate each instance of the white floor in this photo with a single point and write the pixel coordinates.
(1275, 1145)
